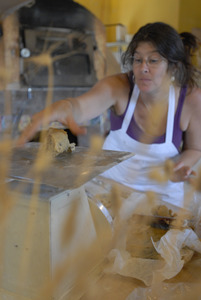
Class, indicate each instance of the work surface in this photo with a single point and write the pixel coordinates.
(67, 170)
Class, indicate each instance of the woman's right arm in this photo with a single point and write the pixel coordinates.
(74, 111)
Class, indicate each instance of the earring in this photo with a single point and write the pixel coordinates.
(172, 78)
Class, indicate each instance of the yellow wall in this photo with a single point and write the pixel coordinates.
(134, 13)
(190, 15)
(181, 14)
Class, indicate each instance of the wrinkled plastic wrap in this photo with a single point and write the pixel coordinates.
(175, 248)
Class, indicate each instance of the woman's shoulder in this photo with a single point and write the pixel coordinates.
(118, 88)
(193, 101)
(121, 79)
(193, 96)
(117, 84)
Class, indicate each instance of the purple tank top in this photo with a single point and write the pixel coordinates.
(135, 132)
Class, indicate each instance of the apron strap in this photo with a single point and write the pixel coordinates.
(131, 107)
(170, 117)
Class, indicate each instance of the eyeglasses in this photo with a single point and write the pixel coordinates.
(151, 62)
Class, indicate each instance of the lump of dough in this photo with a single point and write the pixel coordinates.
(163, 211)
(56, 141)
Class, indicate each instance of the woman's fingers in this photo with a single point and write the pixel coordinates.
(178, 166)
(42, 120)
(28, 132)
(182, 173)
(75, 128)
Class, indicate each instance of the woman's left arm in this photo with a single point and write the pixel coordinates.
(184, 163)
(191, 153)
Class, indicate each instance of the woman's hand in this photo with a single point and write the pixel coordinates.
(61, 111)
(173, 171)
(181, 172)
(182, 165)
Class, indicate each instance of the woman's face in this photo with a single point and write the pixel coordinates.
(150, 69)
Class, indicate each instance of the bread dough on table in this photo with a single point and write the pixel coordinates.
(56, 141)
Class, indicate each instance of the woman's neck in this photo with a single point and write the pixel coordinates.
(151, 113)
(153, 98)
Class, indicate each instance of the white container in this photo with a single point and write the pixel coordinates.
(32, 243)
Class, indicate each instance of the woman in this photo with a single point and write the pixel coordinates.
(156, 111)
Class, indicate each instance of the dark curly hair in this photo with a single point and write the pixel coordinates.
(176, 48)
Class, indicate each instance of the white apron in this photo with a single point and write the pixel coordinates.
(134, 172)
